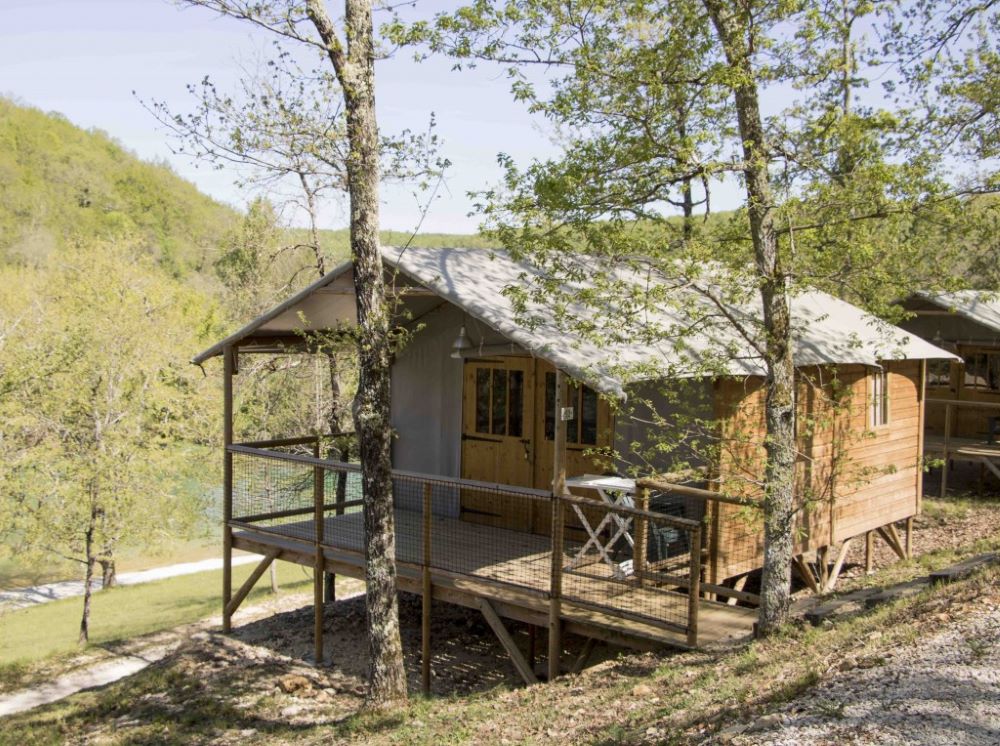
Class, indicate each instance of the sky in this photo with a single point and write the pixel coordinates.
(84, 59)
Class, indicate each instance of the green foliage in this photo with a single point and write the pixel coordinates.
(60, 184)
(104, 416)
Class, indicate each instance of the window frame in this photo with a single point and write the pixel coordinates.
(879, 401)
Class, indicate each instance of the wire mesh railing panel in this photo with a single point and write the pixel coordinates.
(622, 560)
(735, 541)
(630, 563)
(273, 493)
(481, 531)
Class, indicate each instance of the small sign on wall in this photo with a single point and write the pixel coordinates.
(567, 413)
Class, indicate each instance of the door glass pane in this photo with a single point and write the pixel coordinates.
(499, 402)
(550, 406)
(515, 427)
(482, 400)
(588, 416)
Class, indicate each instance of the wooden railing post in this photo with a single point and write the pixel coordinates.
(425, 625)
(228, 359)
(558, 518)
(555, 587)
(319, 478)
(947, 442)
(641, 536)
(694, 590)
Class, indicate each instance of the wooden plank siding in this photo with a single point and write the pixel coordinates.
(851, 477)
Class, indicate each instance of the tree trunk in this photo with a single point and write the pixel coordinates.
(88, 577)
(109, 574)
(734, 32)
(356, 74)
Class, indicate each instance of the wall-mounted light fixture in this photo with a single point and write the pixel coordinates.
(461, 343)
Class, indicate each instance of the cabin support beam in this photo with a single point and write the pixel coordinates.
(805, 572)
(838, 565)
(869, 552)
(585, 653)
(228, 371)
(738, 585)
(250, 582)
(496, 624)
(891, 537)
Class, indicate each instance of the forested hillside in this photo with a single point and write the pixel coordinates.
(60, 183)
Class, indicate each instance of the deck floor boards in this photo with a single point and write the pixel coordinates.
(484, 561)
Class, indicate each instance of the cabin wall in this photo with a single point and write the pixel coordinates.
(876, 479)
(426, 409)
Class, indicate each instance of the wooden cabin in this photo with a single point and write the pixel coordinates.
(963, 394)
(486, 409)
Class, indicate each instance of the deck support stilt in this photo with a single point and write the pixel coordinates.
(427, 588)
(869, 552)
(229, 370)
(588, 650)
(319, 565)
(909, 538)
(532, 645)
(497, 625)
(823, 565)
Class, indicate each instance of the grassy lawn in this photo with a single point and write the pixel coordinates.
(39, 632)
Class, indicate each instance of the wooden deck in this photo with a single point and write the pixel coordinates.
(511, 569)
(961, 448)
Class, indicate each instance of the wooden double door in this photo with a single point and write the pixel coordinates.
(508, 429)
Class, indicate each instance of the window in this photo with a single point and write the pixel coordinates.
(879, 402)
(982, 371)
(500, 402)
(939, 373)
(582, 429)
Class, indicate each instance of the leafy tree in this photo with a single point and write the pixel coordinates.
(108, 417)
(771, 97)
(350, 51)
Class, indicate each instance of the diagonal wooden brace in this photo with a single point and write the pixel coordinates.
(493, 619)
(248, 585)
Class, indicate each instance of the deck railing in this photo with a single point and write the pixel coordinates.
(630, 563)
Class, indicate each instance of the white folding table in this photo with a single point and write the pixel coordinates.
(612, 491)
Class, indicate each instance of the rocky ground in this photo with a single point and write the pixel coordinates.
(943, 690)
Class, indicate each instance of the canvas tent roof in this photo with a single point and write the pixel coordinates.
(980, 306)
(827, 330)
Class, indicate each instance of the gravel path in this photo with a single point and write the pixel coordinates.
(40, 594)
(940, 691)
